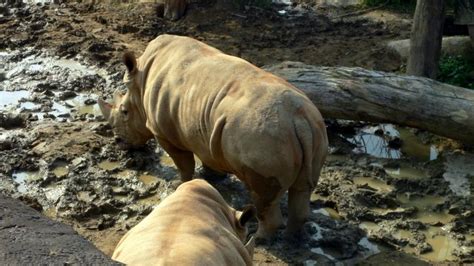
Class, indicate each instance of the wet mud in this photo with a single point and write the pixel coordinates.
(385, 192)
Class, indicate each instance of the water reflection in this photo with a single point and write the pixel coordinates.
(387, 141)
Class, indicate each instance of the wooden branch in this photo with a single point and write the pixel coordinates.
(360, 94)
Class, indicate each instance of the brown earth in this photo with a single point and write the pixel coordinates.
(102, 191)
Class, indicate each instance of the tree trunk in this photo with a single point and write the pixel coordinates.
(360, 94)
(425, 41)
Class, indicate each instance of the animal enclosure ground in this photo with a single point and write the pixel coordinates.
(409, 204)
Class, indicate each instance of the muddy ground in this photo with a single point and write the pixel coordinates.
(385, 193)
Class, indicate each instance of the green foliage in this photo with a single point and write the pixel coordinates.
(457, 70)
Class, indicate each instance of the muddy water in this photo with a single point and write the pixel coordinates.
(406, 172)
(60, 95)
(108, 165)
(89, 187)
(9, 98)
(375, 140)
(61, 169)
(148, 179)
(373, 183)
(22, 177)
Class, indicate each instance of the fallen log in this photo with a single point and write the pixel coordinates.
(374, 96)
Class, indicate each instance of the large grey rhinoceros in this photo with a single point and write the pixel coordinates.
(234, 116)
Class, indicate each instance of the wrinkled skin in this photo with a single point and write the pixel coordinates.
(193, 226)
(237, 118)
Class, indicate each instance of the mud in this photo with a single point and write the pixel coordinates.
(385, 194)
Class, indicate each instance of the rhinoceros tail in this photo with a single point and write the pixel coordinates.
(215, 143)
(306, 138)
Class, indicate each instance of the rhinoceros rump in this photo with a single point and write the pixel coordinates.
(237, 118)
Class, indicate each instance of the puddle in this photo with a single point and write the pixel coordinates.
(413, 147)
(54, 191)
(330, 212)
(369, 227)
(125, 174)
(382, 211)
(429, 217)
(368, 142)
(424, 206)
(9, 99)
(315, 197)
(148, 179)
(22, 177)
(423, 203)
(406, 172)
(79, 103)
(459, 169)
(108, 165)
(85, 196)
(165, 160)
(443, 245)
(403, 234)
(374, 140)
(373, 183)
(61, 169)
(34, 72)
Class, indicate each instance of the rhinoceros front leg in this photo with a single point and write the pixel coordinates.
(184, 160)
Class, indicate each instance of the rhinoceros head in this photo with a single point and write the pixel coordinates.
(125, 113)
(241, 220)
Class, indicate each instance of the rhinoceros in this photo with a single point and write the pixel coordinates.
(235, 117)
(193, 226)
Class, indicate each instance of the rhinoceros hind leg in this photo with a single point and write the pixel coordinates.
(269, 220)
(298, 210)
(184, 160)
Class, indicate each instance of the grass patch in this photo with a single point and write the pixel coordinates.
(457, 70)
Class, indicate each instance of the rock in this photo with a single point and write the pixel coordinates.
(67, 95)
(90, 102)
(452, 46)
(9, 121)
(425, 248)
(29, 238)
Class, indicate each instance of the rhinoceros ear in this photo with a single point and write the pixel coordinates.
(247, 214)
(105, 108)
(130, 62)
